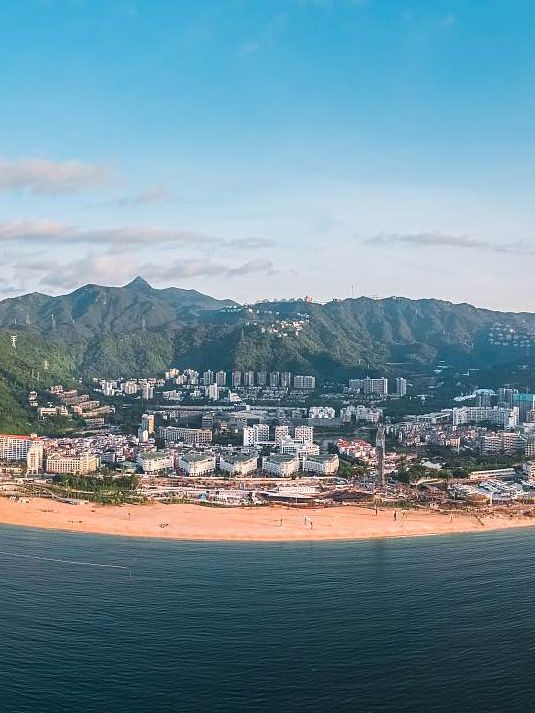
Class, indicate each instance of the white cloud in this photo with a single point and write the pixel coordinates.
(48, 177)
(42, 232)
(153, 194)
(437, 240)
(107, 269)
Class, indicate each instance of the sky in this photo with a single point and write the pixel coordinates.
(259, 149)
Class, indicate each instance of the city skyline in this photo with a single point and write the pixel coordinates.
(176, 142)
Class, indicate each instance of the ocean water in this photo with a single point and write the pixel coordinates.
(423, 625)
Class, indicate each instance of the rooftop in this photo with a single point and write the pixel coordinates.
(196, 457)
(153, 455)
(322, 457)
(281, 458)
(238, 458)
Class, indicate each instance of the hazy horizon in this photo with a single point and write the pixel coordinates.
(280, 298)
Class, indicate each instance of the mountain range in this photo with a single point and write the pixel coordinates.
(138, 330)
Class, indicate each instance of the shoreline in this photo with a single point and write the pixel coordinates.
(274, 524)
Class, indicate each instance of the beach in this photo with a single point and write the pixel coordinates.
(266, 524)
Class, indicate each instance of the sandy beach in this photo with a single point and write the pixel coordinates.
(273, 524)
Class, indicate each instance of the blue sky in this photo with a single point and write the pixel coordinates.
(270, 148)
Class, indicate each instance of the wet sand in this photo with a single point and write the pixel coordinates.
(266, 524)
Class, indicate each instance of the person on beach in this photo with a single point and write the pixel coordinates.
(395, 515)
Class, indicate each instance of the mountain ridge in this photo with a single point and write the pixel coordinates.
(137, 330)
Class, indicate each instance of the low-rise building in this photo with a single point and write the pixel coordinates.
(54, 411)
(75, 464)
(195, 464)
(322, 464)
(154, 461)
(502, 442)
(282, 466)
(301, 450)
(360, 413)
(323, 412)
(494, 473)
(189, 436)
(239, 464)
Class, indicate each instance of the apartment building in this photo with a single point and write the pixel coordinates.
(282, 466)
(304, 382)
(189, 436)
(75, 464)
(196, 464)
(152, 462)
(322, 464)
(253, 435)
(22, 448)
(304, 434)
(239, 464)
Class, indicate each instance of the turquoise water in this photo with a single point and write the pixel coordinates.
(423, 625)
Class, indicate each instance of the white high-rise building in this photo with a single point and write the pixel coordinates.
(274, 379)
(401, 386)
(248, 378)
(304, 434)
(375, 386)
(212, 392)
(147, 422)
(253, 435)
(304, 382)
(22, 448)
(129, 388)
(281, 432)
(497, 415)
(147, 391)
(208, 378)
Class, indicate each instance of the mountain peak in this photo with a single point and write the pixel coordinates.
(139, 282)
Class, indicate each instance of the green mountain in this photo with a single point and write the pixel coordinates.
(34, 363)
(138, 330)
(93, 310)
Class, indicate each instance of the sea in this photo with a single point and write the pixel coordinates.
(91, 623)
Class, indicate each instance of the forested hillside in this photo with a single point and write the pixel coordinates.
(138, 330)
